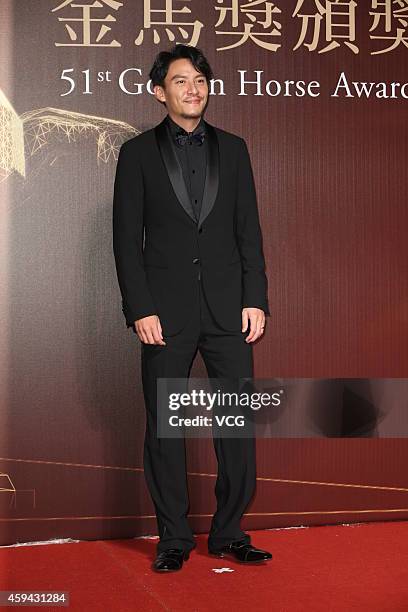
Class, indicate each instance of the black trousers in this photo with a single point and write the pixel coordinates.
(225, 354)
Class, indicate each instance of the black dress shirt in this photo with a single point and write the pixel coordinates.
(193, 159)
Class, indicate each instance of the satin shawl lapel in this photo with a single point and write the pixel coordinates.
(173, 167)
(175, 172)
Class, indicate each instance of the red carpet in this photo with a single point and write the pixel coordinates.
(334, 568)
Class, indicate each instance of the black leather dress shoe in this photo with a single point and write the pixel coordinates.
(242, 552)
(170, 560)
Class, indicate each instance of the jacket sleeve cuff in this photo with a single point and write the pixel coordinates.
(131, 317)
(263, 307)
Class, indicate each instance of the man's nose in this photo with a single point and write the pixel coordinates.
(192, 88)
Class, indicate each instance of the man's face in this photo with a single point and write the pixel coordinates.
(185, 90)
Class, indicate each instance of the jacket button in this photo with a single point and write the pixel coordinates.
(196, 260)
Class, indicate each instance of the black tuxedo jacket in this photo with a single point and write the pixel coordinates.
(159, 247)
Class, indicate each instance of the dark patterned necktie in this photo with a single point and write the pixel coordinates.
(182, 137)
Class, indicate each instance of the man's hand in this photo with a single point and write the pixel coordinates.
(149, 330)
(256, 318)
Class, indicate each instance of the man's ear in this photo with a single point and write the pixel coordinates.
(159, 93)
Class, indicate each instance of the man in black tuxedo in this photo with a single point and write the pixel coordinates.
(190, 266)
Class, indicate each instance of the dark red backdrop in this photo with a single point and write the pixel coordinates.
(331, 176)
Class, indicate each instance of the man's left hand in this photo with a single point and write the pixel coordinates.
(256, 319)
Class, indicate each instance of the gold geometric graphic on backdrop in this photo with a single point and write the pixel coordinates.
(34, 130)
(7, 486)
(6, 483)
(11, 140)
(42, 124)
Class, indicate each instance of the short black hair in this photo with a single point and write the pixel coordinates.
(163, 60)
